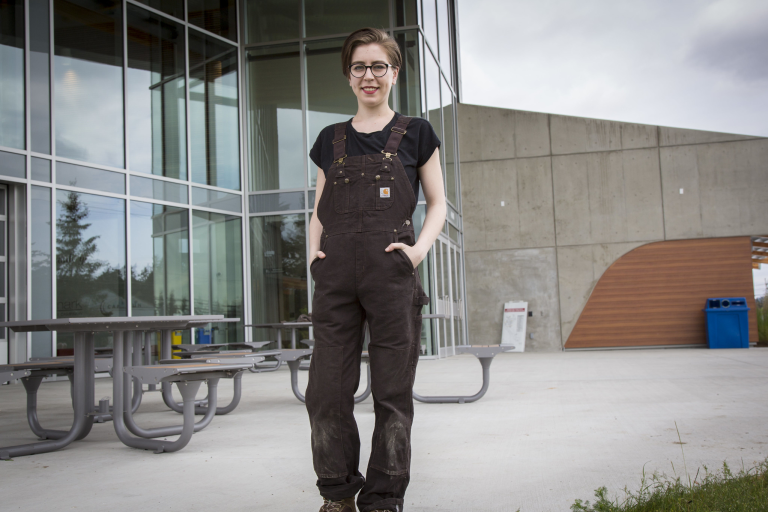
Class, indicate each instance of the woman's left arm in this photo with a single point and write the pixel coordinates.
(431, 177)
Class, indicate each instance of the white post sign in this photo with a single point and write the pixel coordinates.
(515, 321)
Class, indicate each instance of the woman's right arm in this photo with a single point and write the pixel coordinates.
(315, 228)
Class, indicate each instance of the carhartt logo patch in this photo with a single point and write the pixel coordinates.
(384, 192)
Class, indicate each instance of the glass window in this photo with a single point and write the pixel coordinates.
(329, 97)
(157, 189)
(155, 95)
(88, 177)
(276, 202)
(434, 108)
(430, 22)
(13, 164)
(409, 79)
(90, 260)
(88, 72)
(41, 169)
(213, 110)
(448, 146)
(444, 29)
(39, 75)
(325, 17)
(12, 125)
(42, 299)
(216, 199)
(217, 16)
(406, 13)
(218, 272)
(274, 118)
(271, 20)
(159, 260)
(172, 7)
(278, 271)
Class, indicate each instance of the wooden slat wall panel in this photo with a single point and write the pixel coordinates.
(654, 295)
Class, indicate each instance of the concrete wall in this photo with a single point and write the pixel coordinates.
(550, 202)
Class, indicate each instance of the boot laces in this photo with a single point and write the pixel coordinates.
(334, 506)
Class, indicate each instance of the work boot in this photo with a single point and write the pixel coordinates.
(345, 505)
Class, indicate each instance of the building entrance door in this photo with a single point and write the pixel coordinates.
(448, 296)
(3, 271)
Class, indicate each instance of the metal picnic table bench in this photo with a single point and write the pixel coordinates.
(188, 377)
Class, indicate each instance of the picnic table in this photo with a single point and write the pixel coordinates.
(188, 377)
(293, 326)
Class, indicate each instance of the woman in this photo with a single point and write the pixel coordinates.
(364, 267)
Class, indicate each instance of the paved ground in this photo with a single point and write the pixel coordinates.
(552, 428)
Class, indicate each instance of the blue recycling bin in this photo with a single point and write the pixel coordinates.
(203, 336)
(727, 322)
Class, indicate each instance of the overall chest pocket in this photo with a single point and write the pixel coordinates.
(354, 192)
(341, 194)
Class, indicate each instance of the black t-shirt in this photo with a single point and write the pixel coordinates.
(416, 148)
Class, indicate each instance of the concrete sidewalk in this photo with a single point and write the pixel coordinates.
(552, 428)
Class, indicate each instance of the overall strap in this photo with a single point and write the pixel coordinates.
(398, 131)
(340, 142)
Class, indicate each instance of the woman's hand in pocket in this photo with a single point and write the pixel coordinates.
(318, 254)
(409, 251)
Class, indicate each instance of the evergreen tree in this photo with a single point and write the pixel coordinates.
(73, 251)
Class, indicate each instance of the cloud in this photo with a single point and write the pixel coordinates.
(649, 62)
(733, 39)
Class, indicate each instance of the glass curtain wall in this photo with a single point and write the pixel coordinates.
(88, 81)
(156, 95)
(127, 108)
(12, 115)
(295, 87)
(214, 120)
(129, 130)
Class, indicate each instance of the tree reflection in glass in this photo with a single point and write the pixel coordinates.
(12, 74)
(448, 149)
(213, 112)
(328, 95)
(408, 80)
(218, 272)
(274, 118)
(159, 260)
(90, 259)
(278, 271)
(156, 96)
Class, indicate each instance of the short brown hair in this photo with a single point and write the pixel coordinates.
(364, 36)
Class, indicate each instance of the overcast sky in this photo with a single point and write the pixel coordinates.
(699, 64)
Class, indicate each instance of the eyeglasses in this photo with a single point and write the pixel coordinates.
(378, 70)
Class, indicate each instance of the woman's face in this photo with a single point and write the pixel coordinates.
(371, 90)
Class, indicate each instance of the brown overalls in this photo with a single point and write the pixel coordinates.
(366, 204)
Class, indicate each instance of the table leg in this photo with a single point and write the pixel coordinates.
(279, 338)
(148, 355)
(294, 367)
(83, 405)
(365, 394)
(485, 363)
(132, 339)
(166, 353)
(89, 360)
(150, 433)
(31, 386)
(188, 391)
(293, 338)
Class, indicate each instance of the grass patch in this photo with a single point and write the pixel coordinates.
(719, 491)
